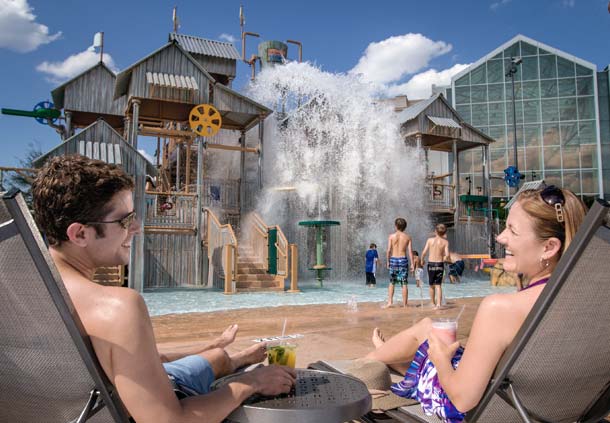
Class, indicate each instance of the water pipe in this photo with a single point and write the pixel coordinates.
(298, 43)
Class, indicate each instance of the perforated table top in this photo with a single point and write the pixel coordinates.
(318, 396)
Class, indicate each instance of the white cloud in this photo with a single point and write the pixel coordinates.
(19, 30)
(147, 156)
(420, 85)
(568, 3)
(496, 4)
(393, 58)
(227, 37)
(73, 65)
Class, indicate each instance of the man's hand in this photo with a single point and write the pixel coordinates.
(272, 380)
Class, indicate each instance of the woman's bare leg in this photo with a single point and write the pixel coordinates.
(398, 351)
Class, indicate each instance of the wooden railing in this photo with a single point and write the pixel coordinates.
(440, 197)
(257, 233)
(222, 252)
(170, 210)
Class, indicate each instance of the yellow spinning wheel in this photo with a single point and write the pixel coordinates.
(205, 120)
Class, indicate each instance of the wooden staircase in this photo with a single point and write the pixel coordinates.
(252, 274)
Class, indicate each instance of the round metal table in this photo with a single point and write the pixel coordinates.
(318, 396)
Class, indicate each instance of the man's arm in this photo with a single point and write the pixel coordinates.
(425, 250)
(410, 252)
(389, 253)
(143, 385)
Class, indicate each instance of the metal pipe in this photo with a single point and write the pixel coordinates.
(298, 43)
(243, 44)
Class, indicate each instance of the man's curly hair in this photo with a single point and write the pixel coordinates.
(74, 188)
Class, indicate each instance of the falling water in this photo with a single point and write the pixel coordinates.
(333, 152)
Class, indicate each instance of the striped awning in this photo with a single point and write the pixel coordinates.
(172, 81)
(445, 122)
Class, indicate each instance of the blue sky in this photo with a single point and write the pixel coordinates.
(401, 44)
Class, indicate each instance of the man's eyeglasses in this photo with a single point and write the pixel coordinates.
(553, 196)
(125, 222)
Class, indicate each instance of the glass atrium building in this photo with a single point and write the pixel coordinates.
(562, 118)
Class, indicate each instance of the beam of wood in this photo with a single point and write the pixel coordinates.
(18, 169)
(173, 133)
(232, 148)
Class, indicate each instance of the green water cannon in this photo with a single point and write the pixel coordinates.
(44, 112)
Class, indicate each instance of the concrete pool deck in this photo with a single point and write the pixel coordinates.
(331, 331)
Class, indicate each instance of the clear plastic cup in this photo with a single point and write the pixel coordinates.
(282, 354)
(445, 329)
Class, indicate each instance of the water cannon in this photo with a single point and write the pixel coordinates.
(44, 112)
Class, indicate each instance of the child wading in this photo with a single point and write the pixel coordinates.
(399, 245)
(438, 248)
(371, 259)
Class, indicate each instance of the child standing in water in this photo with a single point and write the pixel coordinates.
(371, 260)
(418, 265)
(438, 248)
(399, 257)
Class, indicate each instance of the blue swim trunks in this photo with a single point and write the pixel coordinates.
(190, 375)
(399, 270)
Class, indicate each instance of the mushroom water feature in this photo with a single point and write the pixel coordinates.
(319, 226)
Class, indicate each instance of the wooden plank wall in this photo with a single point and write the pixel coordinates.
(216, 64)
(93, 92)
(172, 61)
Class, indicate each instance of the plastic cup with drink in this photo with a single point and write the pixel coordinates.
(283, 354)
(445, 328)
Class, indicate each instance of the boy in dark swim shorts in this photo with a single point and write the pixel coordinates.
(438, 249)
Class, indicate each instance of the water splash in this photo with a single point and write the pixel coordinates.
(333, 151)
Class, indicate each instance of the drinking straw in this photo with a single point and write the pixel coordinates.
(283, 331)
(460, 313)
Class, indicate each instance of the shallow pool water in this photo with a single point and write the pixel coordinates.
(205, 300)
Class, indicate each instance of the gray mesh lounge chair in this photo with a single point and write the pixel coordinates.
(558, 367)
(48, 370)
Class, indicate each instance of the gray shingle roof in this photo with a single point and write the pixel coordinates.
(196, 45)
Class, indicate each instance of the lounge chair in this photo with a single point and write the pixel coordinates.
(557, 369)
(48, 370)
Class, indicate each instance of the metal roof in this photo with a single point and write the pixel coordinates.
(172, 81)
(446, 122)
(414, 111)
(206, 47)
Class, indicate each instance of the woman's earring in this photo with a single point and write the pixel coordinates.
(544, 263)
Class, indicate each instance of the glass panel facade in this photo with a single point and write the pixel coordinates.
(556, 126)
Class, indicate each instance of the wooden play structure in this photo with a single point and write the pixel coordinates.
(205, 173)
(433, 125)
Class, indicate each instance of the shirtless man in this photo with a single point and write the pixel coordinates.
(85, 208)
(399, 263)
(438, 249)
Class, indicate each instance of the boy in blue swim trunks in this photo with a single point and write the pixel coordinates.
(399, 256)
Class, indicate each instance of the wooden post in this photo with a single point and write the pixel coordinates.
(228, 250)
(68, 124)
(294, 268)
(158, 150)
(187, 181)
(200, 223)
(136, 124)
(456, 183)
(242, 173)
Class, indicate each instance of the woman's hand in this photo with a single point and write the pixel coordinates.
(440, 353)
